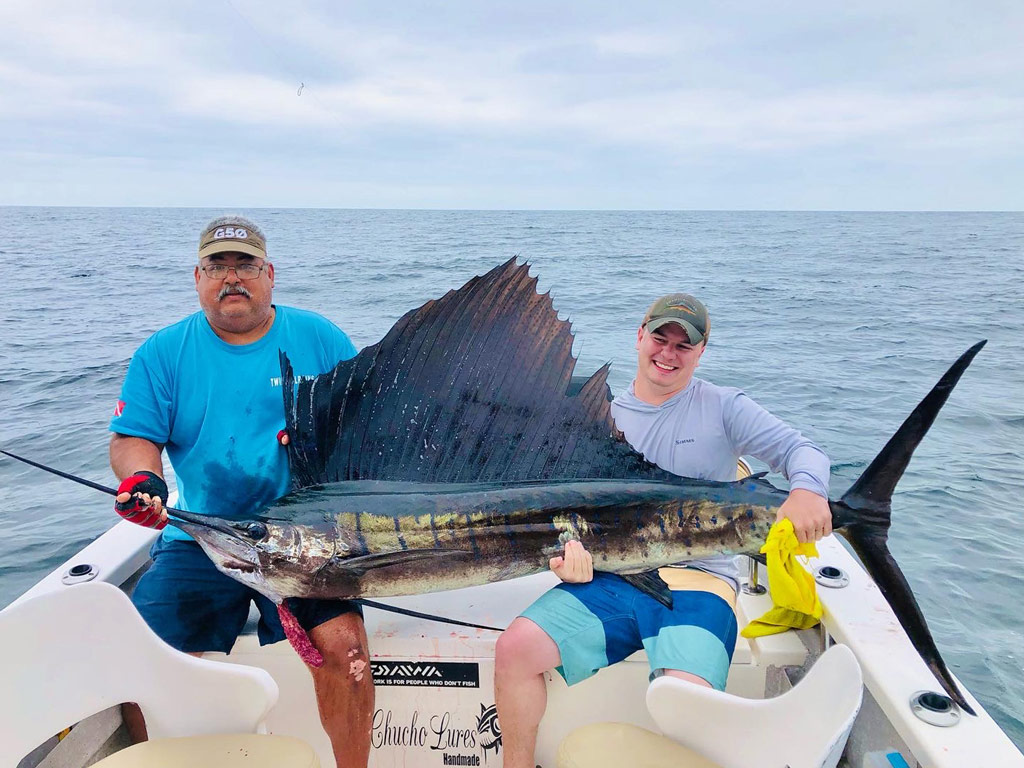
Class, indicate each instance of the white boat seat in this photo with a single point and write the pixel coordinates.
(806, 727)
(614, 745)
(69, 654)
(236, 750)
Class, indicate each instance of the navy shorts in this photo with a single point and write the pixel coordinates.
(194, 607)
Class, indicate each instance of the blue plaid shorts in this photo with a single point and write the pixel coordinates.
(606, 620)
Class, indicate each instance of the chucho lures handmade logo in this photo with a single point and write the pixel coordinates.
(448, 734)
(489, 729)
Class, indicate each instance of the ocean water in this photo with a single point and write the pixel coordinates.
(837, 322)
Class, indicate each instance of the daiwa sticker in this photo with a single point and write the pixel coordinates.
(432, 674)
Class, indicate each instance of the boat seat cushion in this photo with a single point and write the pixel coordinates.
(613, 745)
(233, 750)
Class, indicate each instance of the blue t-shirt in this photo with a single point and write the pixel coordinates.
(218, 407)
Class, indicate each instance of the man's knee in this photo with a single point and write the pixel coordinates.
(344, 635)
(342, 642)
(688, 676)
(525, 648)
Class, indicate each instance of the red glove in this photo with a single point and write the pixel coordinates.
(136, 509)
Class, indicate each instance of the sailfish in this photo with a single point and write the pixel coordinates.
(461, 450)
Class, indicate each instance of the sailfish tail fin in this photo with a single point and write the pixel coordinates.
(863, 516)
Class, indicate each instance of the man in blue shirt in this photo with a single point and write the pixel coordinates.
(208, 391)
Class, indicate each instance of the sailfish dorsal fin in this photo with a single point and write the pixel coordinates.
(473, 386)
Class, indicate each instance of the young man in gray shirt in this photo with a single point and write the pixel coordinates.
(692, 428)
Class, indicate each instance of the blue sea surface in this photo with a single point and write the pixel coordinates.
(837, 322)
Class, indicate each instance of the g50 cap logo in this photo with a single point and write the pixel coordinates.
(234, 233)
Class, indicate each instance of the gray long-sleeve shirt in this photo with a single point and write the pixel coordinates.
(703, 430)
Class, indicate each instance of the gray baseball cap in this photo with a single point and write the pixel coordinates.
(232, 234)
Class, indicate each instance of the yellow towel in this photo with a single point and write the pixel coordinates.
(794, 595)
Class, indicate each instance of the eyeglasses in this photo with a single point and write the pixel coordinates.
(244, 271)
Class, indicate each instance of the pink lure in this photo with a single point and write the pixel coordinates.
(298, 638)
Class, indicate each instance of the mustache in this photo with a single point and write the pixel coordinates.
(229, 290)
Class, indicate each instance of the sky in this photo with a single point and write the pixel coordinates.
(870, 105)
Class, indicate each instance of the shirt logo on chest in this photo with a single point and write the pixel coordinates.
(275, 381)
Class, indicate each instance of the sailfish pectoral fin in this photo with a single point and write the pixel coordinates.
(650, 583)
(364, 563)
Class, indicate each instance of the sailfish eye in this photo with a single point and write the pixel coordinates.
(256, 531)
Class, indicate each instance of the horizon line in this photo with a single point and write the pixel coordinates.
(520, 210)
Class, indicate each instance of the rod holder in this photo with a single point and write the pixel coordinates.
(750, 586)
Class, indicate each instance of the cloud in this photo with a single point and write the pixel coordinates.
(553, 98)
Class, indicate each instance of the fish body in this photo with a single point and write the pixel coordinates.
(379, 539)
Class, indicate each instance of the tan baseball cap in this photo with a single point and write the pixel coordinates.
(683, 310)
(238, 236)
